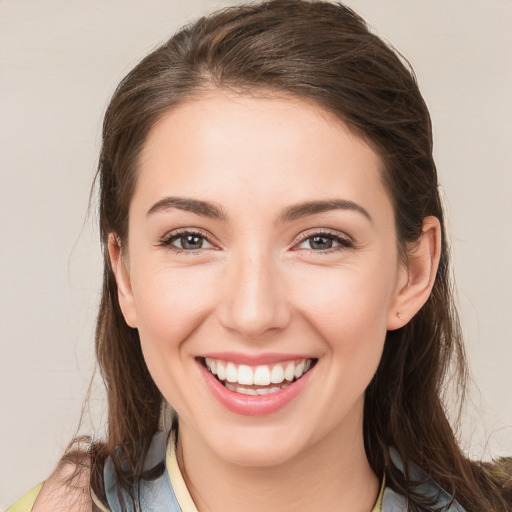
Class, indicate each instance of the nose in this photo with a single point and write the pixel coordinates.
(255, 301)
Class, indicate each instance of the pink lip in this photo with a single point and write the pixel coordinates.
(253, 405)
(254, 360)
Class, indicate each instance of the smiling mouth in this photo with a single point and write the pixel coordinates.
(257, 380)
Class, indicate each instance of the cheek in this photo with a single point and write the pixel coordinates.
(170, 305)
(347, 306)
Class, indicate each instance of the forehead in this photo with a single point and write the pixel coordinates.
(236, 148)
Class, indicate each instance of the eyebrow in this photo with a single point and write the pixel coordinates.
(294, 212)
(203, 208)
(301, 210)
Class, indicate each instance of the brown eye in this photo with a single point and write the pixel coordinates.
(325, 242)
(319, 243)
(186, 241)
(189, 242)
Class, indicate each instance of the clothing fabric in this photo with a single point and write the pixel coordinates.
(26, 503)
(166, 490)
(394, 502)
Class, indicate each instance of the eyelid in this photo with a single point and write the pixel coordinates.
(166, 240)
(324, 231)
(345, 240)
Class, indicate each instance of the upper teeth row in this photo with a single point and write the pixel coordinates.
(262, 375)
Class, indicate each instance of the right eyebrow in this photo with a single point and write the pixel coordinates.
(300, 210)
(203, 208)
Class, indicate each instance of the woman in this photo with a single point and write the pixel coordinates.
(276, 270)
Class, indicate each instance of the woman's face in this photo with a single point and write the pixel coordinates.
(261, 248)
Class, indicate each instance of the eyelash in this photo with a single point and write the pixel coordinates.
(167, 240)
(343, 241)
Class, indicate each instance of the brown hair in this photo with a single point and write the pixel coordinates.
(325, 53)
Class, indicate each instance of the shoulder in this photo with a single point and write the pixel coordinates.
(66, 490)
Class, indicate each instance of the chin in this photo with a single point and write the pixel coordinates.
(259, 447)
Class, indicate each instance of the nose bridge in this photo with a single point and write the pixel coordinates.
(255, 300)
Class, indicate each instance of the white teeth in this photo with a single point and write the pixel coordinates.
(213, 366)
(266, 391)
(221, 371)
(289, 372)
(231, 373)
(245, 375)
(243, 391)
(249, 391)
(277, 374)
(262, 376)
(299, 369)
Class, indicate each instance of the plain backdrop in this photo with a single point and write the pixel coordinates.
(59, 63)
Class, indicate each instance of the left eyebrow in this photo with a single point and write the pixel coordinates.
(203, 208)
(312, 207)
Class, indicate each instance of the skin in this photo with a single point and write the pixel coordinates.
(258, 285)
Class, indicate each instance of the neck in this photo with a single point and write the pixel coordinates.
(332, 475)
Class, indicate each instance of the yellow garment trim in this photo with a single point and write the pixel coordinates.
(26, 503)
(97, 503)
(179, 486)
(378, 504)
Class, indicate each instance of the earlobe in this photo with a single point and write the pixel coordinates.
(122, 275)
(418, 276)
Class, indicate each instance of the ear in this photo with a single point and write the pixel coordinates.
(122, 275)
(417, 276)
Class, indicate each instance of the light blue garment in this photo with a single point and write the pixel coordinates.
(154, 495)
(392, 501)
(157, 494)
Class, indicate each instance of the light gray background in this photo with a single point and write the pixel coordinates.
(59, 63)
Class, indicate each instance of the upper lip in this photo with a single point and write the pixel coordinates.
(254, 359)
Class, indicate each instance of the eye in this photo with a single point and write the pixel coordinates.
(324, 242)
(186, 240)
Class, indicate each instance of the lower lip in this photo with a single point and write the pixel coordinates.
(253, 405)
